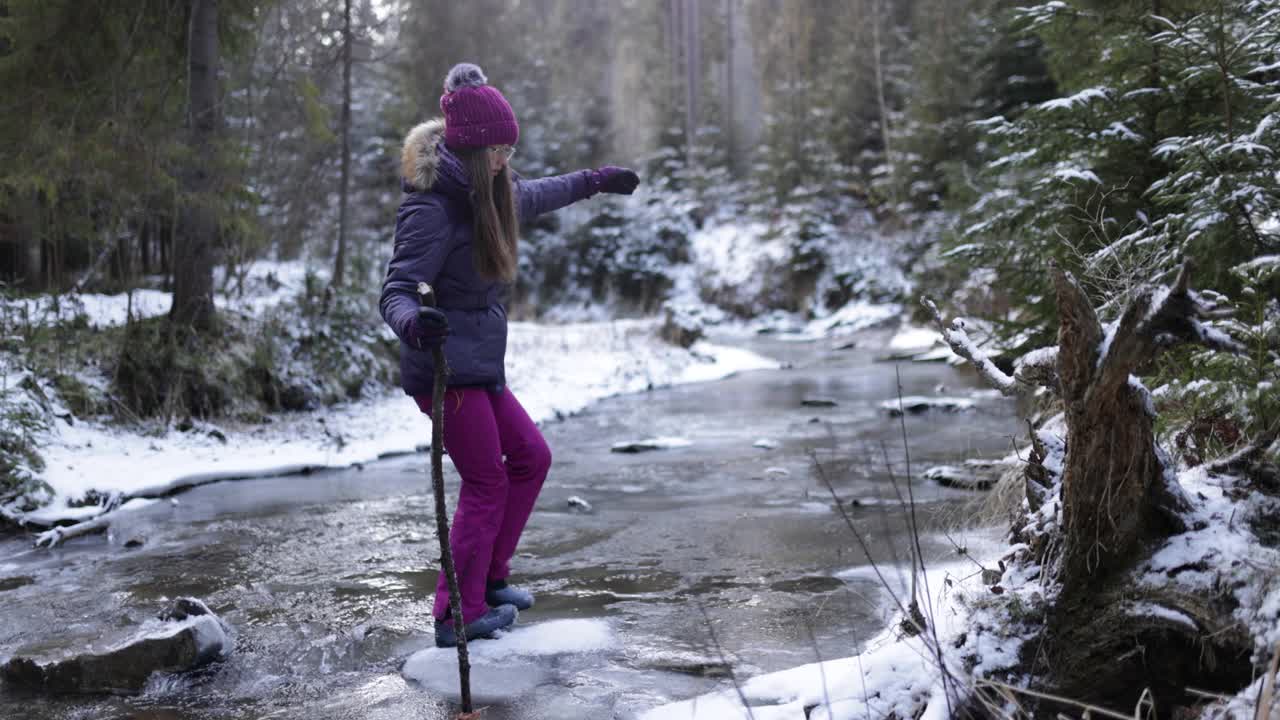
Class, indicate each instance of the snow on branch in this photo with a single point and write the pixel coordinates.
(1246, 456)
(55, 536)
(958, 339)
(1032, 370)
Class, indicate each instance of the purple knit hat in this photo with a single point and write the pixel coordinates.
(475, 113)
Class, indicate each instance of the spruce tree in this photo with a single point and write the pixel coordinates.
(1090, 179)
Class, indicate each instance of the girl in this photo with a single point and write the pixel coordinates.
(457, 230)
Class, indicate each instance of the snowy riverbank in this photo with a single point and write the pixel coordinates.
(555, 370)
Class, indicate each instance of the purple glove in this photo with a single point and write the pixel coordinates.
(428, 330)
(611, 179)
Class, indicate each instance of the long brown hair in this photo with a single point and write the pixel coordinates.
(493, 204)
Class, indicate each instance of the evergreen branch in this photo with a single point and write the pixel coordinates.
(1258, 241)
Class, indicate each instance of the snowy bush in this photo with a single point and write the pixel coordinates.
(25, 412)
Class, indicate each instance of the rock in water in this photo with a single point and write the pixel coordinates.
(188, 636)
(966, 477)
(183, 608)
(818, 402)
(649, 444)
(915, 405)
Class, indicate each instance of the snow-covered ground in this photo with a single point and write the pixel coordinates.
(264, 284)
(555, 370)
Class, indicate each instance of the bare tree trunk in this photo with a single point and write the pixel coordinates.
(193, 247)
(730, 122)
(676, 20)
(693, 75)
(344, 190)
(793, 90)
(876, 19)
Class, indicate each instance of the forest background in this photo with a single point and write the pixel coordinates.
(953, 148)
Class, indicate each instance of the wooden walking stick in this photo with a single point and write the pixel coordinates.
(426, 298)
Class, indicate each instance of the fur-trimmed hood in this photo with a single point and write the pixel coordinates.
(426, 164)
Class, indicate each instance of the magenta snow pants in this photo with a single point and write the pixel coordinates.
(503, 460)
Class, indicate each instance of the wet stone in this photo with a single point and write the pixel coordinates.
(191, 638)
(916, 405)
(812, 584)
(964, 477)
(818, 402)
(13, 583)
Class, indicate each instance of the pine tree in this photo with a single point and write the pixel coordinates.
(1083, 179)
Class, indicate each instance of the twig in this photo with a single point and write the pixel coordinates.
(919, 551)
(1206, 694)
(822, 671)
(1055, 698)
(862, 543)
(917, 558)
(733, 677)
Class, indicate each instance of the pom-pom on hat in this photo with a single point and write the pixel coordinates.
(475, 113)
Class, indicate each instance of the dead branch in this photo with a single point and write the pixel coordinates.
(1245, 457)
(958, 339)
(1156, 320)
(1079, 336)
(55, 536)
(1089, 709)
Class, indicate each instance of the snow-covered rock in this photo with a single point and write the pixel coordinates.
(649, 444)
(186, 636)
(818, 402)
(977, 476)
(916, 404)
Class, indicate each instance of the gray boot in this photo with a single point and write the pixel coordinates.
(498, 592)
(498, 618)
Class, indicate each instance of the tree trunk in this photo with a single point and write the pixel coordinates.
(340, 259)
(1116, 494)
(730, 123)
(1119, 498)
(877, 51)
(693, 76)
(193, 251)
(678, 51)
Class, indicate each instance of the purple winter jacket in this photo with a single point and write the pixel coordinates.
(433, 245)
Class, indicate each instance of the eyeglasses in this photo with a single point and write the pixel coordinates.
(506, 151)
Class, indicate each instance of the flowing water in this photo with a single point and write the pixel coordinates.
(693, 563)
